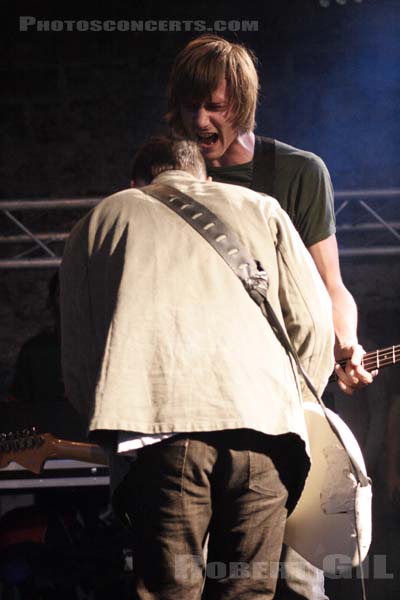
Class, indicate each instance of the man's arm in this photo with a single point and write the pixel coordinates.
(326, 257)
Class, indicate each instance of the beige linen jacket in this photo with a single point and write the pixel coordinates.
(158, 334)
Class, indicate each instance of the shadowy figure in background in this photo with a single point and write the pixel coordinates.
(37, 376)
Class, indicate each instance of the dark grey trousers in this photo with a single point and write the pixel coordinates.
(218, 484)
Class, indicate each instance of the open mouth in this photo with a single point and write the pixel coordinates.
(207, 139)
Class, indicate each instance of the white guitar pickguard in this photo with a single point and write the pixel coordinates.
(333, 505)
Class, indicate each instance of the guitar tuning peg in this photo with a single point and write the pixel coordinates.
(8, 441)
(39, 440)
(30, 442)
(7, 447)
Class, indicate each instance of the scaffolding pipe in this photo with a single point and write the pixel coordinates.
(377, 251)
(45, 237)
(41, 204)
(32, 263)
(62, 237)
(384, 193)
(44, 263)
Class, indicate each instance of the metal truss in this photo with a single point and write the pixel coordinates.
(40, 252)
(368, 224)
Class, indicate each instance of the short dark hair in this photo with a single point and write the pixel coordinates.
(163, 153)
(199, 68)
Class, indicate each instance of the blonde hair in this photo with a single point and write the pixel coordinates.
(199, 68)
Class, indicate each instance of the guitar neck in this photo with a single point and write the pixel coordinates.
(79, 451)
(377, 359)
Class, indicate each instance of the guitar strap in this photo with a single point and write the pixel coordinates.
(251, 274)
(264, 165)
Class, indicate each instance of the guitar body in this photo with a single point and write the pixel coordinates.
(332, 507)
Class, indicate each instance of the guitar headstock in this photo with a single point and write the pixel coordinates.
(28, 448)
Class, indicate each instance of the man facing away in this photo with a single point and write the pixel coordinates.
(164, 349)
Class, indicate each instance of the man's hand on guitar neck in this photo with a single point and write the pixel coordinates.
(353, 376)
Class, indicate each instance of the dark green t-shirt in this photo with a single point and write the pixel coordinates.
(302, 185)
(236, 174)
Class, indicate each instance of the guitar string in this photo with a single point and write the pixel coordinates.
(394, 350)
(382, 362)
(371, 359)
(373, 364)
